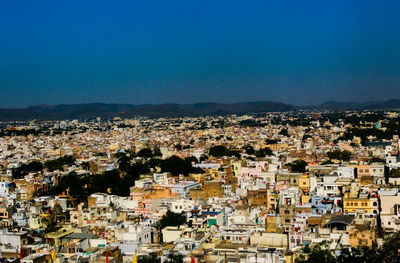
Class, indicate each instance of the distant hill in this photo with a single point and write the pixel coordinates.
(370, 105)
(103, 110)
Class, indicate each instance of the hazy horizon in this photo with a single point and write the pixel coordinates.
(200, 102)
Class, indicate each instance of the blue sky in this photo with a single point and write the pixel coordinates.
(299, 52)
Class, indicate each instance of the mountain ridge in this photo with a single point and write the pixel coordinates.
(109, 110)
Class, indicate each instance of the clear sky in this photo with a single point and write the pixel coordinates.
(299, 52)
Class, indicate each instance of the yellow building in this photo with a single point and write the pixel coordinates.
(360, 237)
(304, 187)
(305, 198)
(272, 224)
(278, 147)
(365, 205)
(304, 183)
(59, 236)
(236, 167)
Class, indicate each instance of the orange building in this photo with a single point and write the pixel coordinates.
(363, 170)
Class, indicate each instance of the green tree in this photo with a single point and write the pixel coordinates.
(298, 166)
(124, 162)
(85, 166)
(375, 159)
(389, 251)
(24, 169)
(203, 158)
(174, 258)
(271, 141)
(339, 155)
(57, 164)
(284, 132)
(250, 123)
(83, 185)
(219, 150)
(395, 173)
(320, 253)
(170, 219)
(157, 152)
(263, 152)
(178, 147)
(151, 258)
(249, 149)
(176, 166)
(145, 153)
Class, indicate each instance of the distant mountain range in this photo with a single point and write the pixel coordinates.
(373, 105)
(103, 110)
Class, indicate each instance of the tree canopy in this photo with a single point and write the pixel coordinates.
(387, 253)
(249, 149)
(57, 164)
(24, 169)
(176, 165)
(219, 151)
(151, 258)
(298, 166)
(172, 219)
(263, 152)
(339, 155)
(145, 153)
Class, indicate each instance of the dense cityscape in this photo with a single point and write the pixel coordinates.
(199, 131)
(272, 187)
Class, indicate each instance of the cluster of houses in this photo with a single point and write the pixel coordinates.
(248, 209)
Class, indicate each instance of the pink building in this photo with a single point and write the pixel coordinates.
(390, 210)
